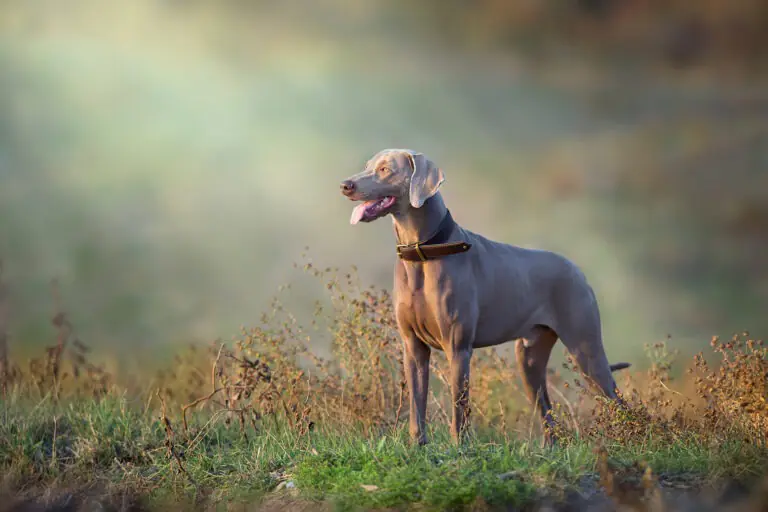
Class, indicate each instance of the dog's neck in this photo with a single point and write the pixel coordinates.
(419, 224)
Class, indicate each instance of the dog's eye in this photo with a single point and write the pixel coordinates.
(383, 171)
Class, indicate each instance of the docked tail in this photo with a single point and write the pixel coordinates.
(619, 366)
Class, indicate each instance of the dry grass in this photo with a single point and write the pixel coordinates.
(267, 386)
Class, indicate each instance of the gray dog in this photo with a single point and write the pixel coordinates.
(456, 291)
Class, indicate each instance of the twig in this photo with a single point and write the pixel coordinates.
(194, 403)
(503, 421)
(273, 388)
(670, 390)
(439, 406)
(63, 332)
(399, 405)
(169, 438)
(55, 438)
(440, 375)
(213, 369)
(567, 402)
(4, 362)
(214, 390)
(282, 401)
(196, 440)
(533, 415)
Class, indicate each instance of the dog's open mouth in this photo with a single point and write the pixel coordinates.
(371, 210)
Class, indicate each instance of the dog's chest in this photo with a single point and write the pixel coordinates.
(417, 315)
(417, 309)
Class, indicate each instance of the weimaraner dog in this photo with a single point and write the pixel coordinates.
(457, 291)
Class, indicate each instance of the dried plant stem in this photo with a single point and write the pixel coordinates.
(670, 390)
(4, 355)
(169, 441)
(571, 411)
(214, 390)
(399, 405)
(193, 404)
(274, 389)
(63, 331)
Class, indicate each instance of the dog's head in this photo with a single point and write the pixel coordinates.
(393, 181)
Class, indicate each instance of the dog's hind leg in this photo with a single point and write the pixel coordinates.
(532, 355)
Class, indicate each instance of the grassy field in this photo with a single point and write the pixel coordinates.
(262, 423)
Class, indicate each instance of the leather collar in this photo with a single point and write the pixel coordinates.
(434, 247)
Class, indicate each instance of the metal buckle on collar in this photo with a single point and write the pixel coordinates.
(422, 257)
(417, 246)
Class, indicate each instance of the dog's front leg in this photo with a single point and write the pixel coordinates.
(416, 361)
(460, 394)
(460, 354)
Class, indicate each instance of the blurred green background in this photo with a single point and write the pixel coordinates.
(167, 161)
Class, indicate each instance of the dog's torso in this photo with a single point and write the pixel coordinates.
(523, 288)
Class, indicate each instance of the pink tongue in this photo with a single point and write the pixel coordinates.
(359, 212)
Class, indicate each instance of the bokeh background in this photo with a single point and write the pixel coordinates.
(168, 161)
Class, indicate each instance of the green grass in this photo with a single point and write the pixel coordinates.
(120, 448)
(438, 475)
(271, 425)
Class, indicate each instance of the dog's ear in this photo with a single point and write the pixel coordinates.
(425, 180)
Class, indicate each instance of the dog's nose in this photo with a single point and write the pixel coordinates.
(347, 187)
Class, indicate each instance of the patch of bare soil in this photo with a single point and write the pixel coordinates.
(674, 493)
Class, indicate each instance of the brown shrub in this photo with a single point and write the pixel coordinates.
(270, 373)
